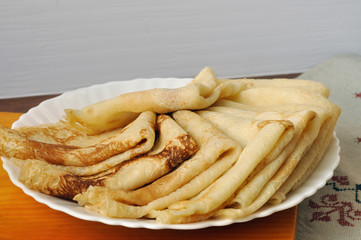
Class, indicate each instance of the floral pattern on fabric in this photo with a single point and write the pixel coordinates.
(330, 208)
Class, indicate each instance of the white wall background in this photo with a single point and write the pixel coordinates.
(50, 46)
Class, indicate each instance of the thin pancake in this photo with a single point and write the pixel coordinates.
(174, 145)
(282, 83)
(133, 136)
(217, 194)
(307, 164)
(201, 92)
(216, 154)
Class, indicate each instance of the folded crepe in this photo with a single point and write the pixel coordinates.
(173, 146)
(110, 205)
(132, 140)
(217, 195)
(307, 164)
(232, 118)
(326, 110)
(115, 204)
(116, 112)
(299, 162)
(261, 185)
(216, 154)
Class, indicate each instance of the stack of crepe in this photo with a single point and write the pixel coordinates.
(215, 148)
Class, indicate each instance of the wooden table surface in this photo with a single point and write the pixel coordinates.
(21, 217)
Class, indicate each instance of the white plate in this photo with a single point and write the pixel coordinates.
(53, 109)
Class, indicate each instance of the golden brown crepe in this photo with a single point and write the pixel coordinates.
(201, 92)
(217, 194)
(173, 146)
(191, 177)
(137, 137)
(329, 111)
(286, 177)
(267, 168)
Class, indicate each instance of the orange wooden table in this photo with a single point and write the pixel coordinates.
(21, 217)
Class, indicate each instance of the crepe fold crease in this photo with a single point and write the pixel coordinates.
(215, 148)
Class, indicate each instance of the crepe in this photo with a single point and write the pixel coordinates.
(307, 164)
(284, 83)
(116, 112)
(216, 154)
(137, 137)
(216, 195)
(297, 164)
(173, 146)
(110, 205)
(275, 174)
(298, 96)
(267, 168)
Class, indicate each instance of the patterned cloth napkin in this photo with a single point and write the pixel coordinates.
(334, 212)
